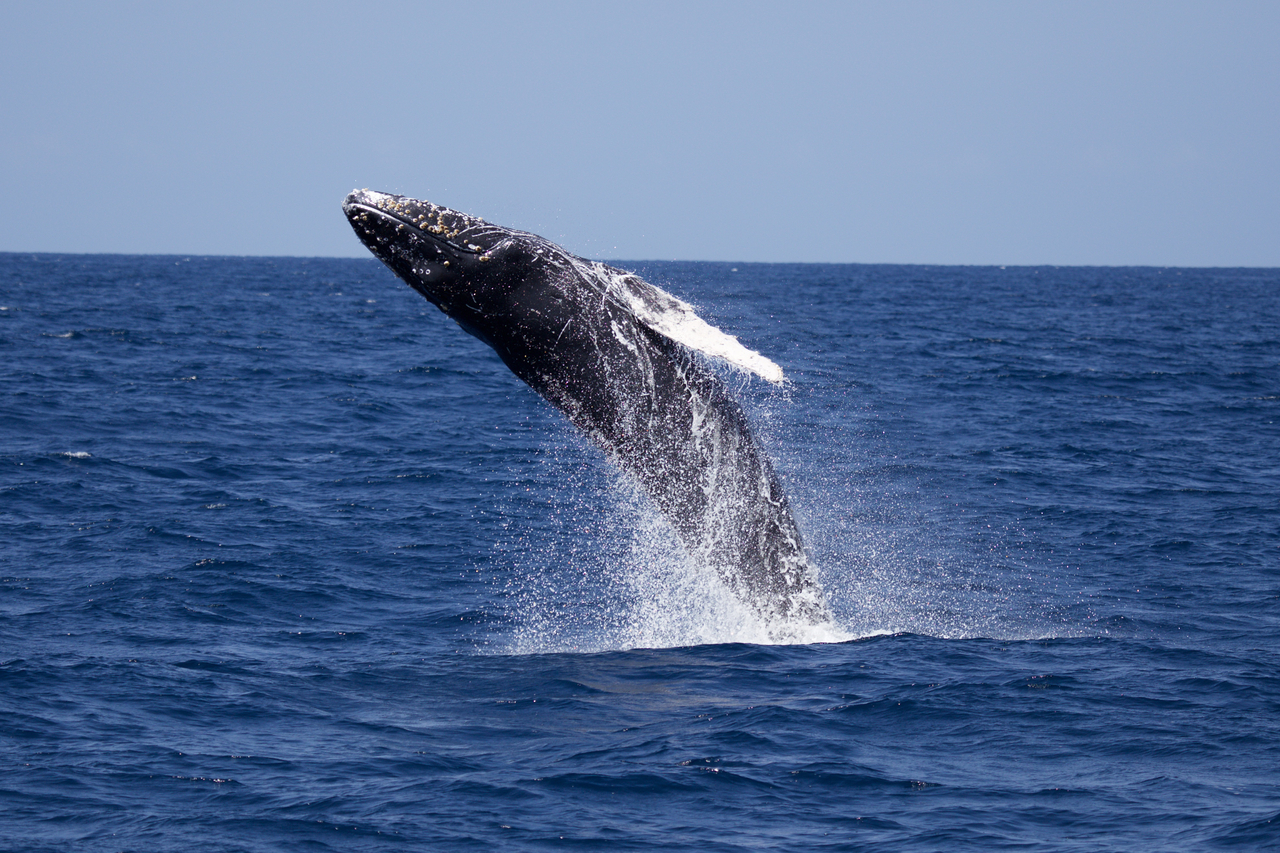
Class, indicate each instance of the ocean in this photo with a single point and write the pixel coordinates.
(290, 562)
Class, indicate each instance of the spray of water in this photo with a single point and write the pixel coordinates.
(610, 573)
(895, 551)
(634, 586)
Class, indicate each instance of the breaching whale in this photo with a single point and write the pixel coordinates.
(613, 354)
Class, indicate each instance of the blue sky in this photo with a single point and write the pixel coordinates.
(905, 132)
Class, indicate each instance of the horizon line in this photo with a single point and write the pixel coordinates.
(370, 258)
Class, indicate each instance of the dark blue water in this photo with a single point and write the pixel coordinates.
(289, 562)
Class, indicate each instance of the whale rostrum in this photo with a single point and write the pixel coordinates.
(615, 355)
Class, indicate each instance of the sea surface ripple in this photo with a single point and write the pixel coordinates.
(290, 562)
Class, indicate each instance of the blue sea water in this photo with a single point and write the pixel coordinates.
(290, 562)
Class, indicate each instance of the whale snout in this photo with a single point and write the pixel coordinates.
(461, 232)
(369, 198)
(429, 246)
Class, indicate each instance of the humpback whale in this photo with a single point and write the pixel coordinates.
(615, 355)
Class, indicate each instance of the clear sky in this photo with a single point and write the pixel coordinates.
(904, 132)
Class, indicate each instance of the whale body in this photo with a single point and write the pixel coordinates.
(615, 355)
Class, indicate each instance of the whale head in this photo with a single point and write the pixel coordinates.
(448, 256)
(472, 270)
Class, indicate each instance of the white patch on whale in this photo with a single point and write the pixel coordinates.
(675, 319)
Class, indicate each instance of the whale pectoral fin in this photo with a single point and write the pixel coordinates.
(673, 318)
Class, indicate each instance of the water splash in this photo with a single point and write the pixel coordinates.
(611, 574)
(633, 586)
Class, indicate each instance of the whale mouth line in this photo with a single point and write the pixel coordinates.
(425, 232)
